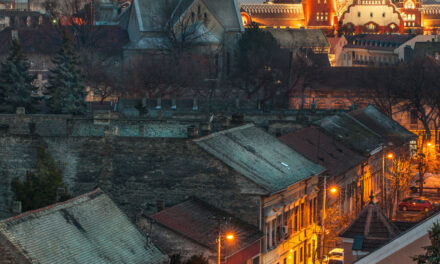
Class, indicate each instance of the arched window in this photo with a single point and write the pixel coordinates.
(409, 5)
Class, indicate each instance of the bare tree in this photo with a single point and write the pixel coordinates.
(399, 180)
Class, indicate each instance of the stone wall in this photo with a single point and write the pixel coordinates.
(137, 161)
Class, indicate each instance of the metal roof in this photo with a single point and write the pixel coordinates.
(351, 132)
(383, 125)
(260, 157)
(86, 229)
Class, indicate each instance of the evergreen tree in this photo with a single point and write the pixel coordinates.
(15, 81)
(67, 93)
(39, 189)
(432, 255)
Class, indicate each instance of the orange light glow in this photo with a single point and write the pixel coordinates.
(390, 155)
(429, 144)
(333, 190)
(230, 236)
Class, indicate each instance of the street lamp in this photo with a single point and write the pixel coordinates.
(333, 190)
(389, 156)
(229, 237)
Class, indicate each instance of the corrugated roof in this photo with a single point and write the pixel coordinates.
(260, 157)
(86, 229)
(323, 149)
(195, 219)
(351, 132)
(382, 125)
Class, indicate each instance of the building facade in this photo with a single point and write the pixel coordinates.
(348, 16)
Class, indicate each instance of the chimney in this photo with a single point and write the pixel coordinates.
(237, 119)
(14, 35)
(193, 132)
(60, 193)
(16, 207)
(195, 104)
(20, 111)
(159, 103)
(160, 205)
(205, 128)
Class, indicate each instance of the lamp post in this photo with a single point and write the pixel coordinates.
(229, 236)
(389, 156)
(333, 190)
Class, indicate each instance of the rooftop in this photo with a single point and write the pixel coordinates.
(300, 38)
(351, 132)
(383, 125)
(87, 229)
(384, 42)
(323, 149)
(196, 220)
(260, 157)
(370, 229)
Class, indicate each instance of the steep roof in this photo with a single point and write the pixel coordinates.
(196, 220)
(351, 132)
(371, 228)
(260, 157)
(323, 149)
(87, 229)
(152, 14)
(383, 125)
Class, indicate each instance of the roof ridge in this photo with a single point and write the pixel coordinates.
(52, 207)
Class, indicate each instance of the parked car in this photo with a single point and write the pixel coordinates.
(415, 204)
(335, 256)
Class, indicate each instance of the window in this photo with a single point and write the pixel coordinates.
(302, 215)
(359, 14)
(256, 260)
(326, 16)
(295, 220)
(413, 117)
(301, 255)
(309, 250)
(371, 14)
(310, 211)
(409, 5)
(284, 261)
(294, 257)
(273, 242)
(199, 10)
(383, 14)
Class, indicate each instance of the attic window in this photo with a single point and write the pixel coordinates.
(199, 10)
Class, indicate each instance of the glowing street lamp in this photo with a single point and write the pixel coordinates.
(333, 190)
(229, 237)
(390, 156)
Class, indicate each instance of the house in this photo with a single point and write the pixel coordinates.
(403, 247)
(423, 49)
(87, 229)
(370, 230)
(209, 27)
(289, 205)
(192, 228)
(344, 165)
(17, 19)
(337, 44)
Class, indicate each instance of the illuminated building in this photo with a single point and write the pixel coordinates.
(347, 16)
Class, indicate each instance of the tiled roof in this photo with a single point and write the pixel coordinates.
(46, 40)
(323, 149)
(260, 157)
(195, 219)
(377, 41)
(86, 229)
(383, 125)
(351, 132)
(373, 225)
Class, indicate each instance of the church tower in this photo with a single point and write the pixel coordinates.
(320, 14)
